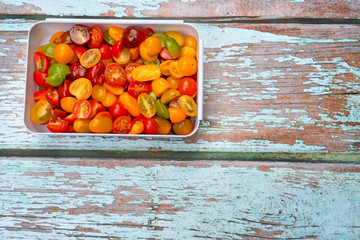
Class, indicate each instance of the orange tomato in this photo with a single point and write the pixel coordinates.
(137, 128)
(159, 86)
(176, 114)
(82, 125)
(188, 105)
(174, 70)
(109, 99)
(144, 53)
(63, 53)
(187, 65)
(55, 38)
(164, 67)
(101, 123)
(41, 112)
(90, 58)
(116, 33)
(152, 46)
(130, 103)
(188, 51)
(164, 125)
(98, 92)
(68, 103)
(173, 81)
(183, 128)
(114, 90)
(81, 88)
(146, 73)
(191, 42)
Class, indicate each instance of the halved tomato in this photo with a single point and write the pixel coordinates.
(42, 62)
(129, 69)
(105, 51)
(122, 125)
(96, 107)
(90, 58)
(57, 125)
(147, 105)
(96, 74)
(134, 53)
(136, 88)
(63, 89)
(79, 34)
(38, 95)
(117, 48)
(96, 36)
(53, 96)
(82, 109)
(115, 75)
(39, 77)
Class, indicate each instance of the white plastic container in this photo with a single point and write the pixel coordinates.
(41, 32)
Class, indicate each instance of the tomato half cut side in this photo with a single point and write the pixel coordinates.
(122, 125)
(129, 69)
(39, 77)
(57, 125)
(82, 109)
(136, 88)
(117, 48)
(96, 74)
(96, 36)
(115, 75)
(42, 62)
(79, 34)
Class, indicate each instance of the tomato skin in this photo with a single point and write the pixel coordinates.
(78, 71)
(41, 112)
(63, 53)
(79, 51)
(53, 96)
(105, 51)
(68, 103)
(164, 126)
(70, 118)
(82, 125)
(96, 107)
(129, 69)
(79, 34)
(133, 36)
(101, 123)
(96, 74)
(187, 65)
(159, 86)
(130, 103)
(81, 88)
(136, 88)
(150, 126)
(38, 95)
(59, 113)
(82, 109)
(57, 125)
(96, 36)
(42, 62)
(116, 32)
(134, 53)
(118, 109)
(117, 48)
(122, 125)
(115, 75)
(148, 32)
(39, 77)
(187, 86)
(63, 89)
(184, 127)
(145, 73)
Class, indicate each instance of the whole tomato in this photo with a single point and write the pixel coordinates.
(133, 36)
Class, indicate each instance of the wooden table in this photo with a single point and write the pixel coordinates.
(281, 86)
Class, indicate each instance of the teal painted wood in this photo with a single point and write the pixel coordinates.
(49, 198)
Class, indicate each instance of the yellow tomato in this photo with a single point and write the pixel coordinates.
(63, 53)
(116, 33)
(173, 81)
(101, 123)
(68, 103)
(176, 114)
(115, 90)
(41, 112)
(98, 92)
(177, 36)
(81, 88)
(191, 42)
(187, 65)
(146, 73)
(188, 51)
(109, 99)
(164, 125)
(159, 86)
(130, 103)
(82, 125)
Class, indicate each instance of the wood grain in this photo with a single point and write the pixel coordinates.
(47, 198)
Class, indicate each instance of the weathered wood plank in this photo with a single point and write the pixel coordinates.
(267, 88)
(47, 198)
(175, 8)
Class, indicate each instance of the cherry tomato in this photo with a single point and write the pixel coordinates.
(134, 53)
(79, 51)
(90, 58)
(124, 56)
(136, 88)
(176, 114)
(174, 70)
(57, 125)
(188, 51)
(177, 36)
(148, 32)
(150, 126)
(109, 99)
(57, 74)
(39, 77)
(55, 38)
(38, 95)
(115, 75)
(137, 128)
(162, 110)
(68, 103)
(98, 92)
(184, 127)
(187, 65)
(145, 73)
(81, 88)
(78, 71)
(63, 53)
(63, 89)
(129, 69)
(107, 37)
(70, 118)
(159, 86)
(58, 113)
(118, 109)
(169, 95)
(164, 126)
(164, 67)
(187, 86)
(42, 62)
(122, 125)
(82, 125)
(173, 81)
(41, 112)
(48, 49)
(130, 103)
(116, 33)
(52, 96)
(65, 38)
(82, 109)
(96, 37)
(133, 36)
(114, 90)
(173, 47)
(150, 48)
(147, 105)
(101, 123)
(188, 105)
(191, 42)
(117, 48)
(79, 34)
(96, 107)
(105, 51)
(96, 74)
(70, 128)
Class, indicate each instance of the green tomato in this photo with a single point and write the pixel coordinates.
(156, 62)
(162, 110)
(152, 94)
(55, 80)
(107, 37)
(58, 68)
(48, 49)
(173, 47)
(162, 38)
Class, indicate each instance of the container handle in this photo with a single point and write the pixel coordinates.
(113, 21)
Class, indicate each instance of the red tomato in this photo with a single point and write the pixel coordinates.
(70, 118)
(78, 71)
(164, 53)
(58, 113)
(65, 38)
(118, 109)
(79, 34)
(105, 51)
(134, 53)
(136, 88)
(148, 32)
(70, 128)
(82, 109)
(187, 86)
(117, 48)
(132, 37)
(150, 126)
(96, 74)
(53, 96)
(140, 118)
(96, 36)
(39, 77)
(42, 62)
(40, 95)
(96, 107)
(57, 125)
(115, 75)
(129, 69)
(122, 125)
(79, 51)
(63, 89)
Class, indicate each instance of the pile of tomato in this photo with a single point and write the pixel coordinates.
(121, 80)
